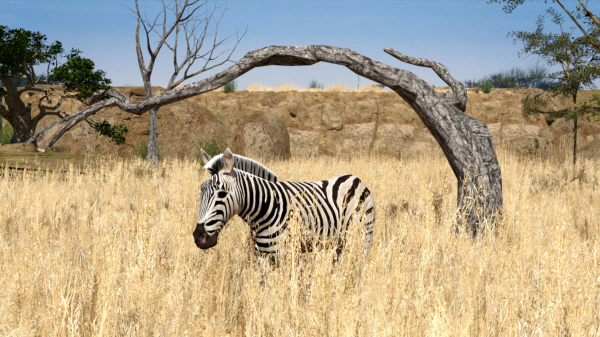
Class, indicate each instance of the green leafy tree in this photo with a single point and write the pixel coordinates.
(581, 14)
(580, 67)
(20, 51)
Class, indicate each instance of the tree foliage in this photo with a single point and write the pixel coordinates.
(77, 75)
(116, 133)
(581, 13)
(20, 51)
(580, 63)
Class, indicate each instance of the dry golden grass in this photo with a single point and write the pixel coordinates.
(110, 252)
(334, 87)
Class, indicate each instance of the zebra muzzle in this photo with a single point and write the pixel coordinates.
(202, 239)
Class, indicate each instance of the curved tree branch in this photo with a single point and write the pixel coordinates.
(466, 141)
(460, 93)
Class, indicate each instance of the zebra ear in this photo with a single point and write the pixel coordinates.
(228, 160)
(205, 156)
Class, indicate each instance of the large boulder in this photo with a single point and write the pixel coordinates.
(257, 134)
(591, 150)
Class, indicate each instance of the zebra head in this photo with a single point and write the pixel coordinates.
(218, 202)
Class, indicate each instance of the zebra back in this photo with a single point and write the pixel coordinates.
(243, 164)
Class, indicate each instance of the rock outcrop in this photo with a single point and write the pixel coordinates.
(257, 134)
(182, 127)
(346, 123)
(318, 123)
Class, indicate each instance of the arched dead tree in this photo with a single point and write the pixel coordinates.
(466, 141)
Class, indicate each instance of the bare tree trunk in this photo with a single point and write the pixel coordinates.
(574, 141)
(152, 157)
(575, 132)
(466, 142)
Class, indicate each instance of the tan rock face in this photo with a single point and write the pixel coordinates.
(334, 123)
(182, 126)
(320, 123)
(257, 134)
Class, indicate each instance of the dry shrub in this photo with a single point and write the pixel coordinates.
(110, 252)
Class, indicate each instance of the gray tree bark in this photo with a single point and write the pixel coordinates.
(186, 19)
(466, 142)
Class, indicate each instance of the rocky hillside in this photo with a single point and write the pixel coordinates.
(318, 123)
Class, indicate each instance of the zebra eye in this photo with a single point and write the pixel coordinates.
(221, 194)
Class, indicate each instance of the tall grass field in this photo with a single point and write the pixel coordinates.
(110, 253)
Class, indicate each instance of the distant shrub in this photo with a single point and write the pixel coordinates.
(230, 87)
(486, 85)
(211, 147)
(219, 115)
(314, 84)
(517, 78)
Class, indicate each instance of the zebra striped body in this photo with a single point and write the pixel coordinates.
(326, 208)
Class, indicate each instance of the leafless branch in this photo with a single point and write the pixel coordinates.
(460, 93)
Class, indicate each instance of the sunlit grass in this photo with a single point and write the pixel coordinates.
(334, 87)
(110, 252)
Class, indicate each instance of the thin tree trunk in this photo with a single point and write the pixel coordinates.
(152, 157)
(574, 141)
(575, 132)
(466, 142)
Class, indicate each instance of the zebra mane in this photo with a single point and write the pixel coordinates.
(243, 164)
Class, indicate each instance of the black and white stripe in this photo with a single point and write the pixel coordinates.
(215, 165)
(326, 208)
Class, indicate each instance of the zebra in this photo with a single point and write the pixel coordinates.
(243, 187)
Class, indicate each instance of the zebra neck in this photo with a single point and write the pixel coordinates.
(250, 196)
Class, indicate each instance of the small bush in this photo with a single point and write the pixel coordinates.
(230, 87)
(219, 115)
(141, 149)
(211, 147)
(486, 85)
(314, 84)
(6, 134)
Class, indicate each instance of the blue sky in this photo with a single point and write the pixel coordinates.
(469, 37)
